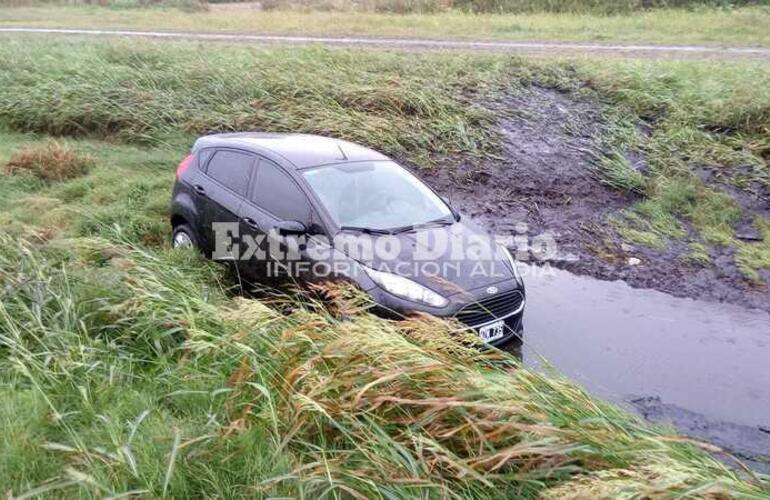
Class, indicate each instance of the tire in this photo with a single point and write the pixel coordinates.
(184, 236)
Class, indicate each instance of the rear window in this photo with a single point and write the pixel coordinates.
(232, 169)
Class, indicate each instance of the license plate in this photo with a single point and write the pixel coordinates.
(492, 331)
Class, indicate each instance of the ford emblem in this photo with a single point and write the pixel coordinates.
(492, 290)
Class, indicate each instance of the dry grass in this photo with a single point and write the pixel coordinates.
(496, 6)
(52, 161)
(739, 26)
(420, 6)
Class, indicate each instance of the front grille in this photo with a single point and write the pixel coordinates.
(491, 308)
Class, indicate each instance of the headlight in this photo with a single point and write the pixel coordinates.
(407, 289)
(513, 265)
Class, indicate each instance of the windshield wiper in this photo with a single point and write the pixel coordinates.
(442, 221)
(366, 230)
(403, 229)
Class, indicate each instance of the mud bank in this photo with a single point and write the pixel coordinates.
(547, 178)
(751, 445)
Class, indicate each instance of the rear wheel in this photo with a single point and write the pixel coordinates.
(184, 237)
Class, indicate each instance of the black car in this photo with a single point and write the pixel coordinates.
(309, 207)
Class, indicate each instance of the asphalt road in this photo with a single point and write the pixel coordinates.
(533, 47)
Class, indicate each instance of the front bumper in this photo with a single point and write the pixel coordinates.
(393, 307)
(513, 325)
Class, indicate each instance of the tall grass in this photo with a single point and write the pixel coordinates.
(150, 94)
(139, 371)
(426, 109)
(143, 375)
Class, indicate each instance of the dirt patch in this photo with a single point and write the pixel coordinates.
(235, 6)
(547, 178)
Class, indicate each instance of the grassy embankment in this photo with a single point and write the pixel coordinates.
(137, 369)
(683, 118)
(740, 26)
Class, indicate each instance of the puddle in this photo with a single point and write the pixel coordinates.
(702, 366)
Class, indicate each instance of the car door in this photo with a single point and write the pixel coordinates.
(230, 171)
(274, 196)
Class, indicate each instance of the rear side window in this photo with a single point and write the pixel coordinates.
(232, 169)
(277, 193)
(203, 157)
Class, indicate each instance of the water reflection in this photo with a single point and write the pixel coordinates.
(622, 343)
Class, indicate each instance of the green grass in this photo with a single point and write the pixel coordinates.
(138, 369)
(152, 95)
(137, 372)
(698, 255)
(618, 172)
(752, 257)
(740, 26)
(684, 119)
(133, 196)
(680, 117)
(709, 117)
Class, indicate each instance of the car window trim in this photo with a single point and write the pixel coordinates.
(203, 167)
(254, 157)
(333, 223)
(313, 209)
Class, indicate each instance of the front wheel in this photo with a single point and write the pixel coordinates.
(184, 237)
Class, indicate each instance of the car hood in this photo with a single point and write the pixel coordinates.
(450, 260)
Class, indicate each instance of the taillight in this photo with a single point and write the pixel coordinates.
(183, 165)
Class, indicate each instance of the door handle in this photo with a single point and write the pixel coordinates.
(199, 189)
(250, 222)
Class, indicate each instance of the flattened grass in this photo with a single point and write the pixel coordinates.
(150, 94)
(754, 256)
(141, 375)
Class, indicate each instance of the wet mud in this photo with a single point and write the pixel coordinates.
(546, 177)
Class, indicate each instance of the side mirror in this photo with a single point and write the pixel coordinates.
(290, 227)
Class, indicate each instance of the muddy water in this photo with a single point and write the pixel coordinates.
(702, 366)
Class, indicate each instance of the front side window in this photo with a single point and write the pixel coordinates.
(375, 195)
(232, 169)
(277, 193)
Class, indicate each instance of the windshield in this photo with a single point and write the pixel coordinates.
(376, 195)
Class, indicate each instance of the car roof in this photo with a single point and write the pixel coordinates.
(301, 150)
